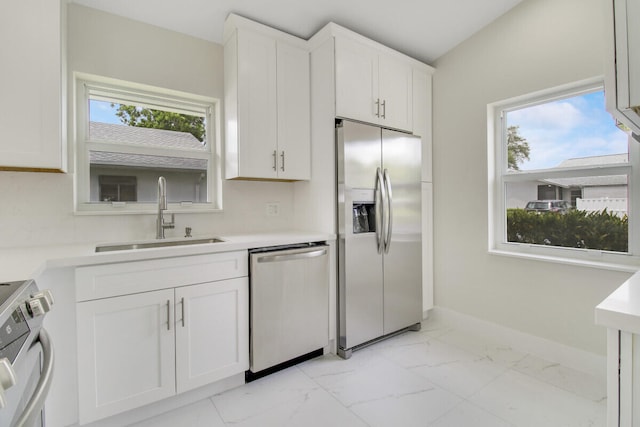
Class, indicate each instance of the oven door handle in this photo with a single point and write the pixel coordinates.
(35, 404)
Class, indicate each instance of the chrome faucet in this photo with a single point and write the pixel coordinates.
(162, 206)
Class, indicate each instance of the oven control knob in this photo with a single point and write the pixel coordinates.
(40, 303)
(7, 379)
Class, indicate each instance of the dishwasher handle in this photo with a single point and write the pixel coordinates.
(292, 256)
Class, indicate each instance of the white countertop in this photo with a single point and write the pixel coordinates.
(621, 309)
(29, 262)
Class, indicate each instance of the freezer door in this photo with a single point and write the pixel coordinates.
(401, 154)
(360, 289)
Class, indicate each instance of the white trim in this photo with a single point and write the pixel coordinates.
(581, 360)
(613, 265)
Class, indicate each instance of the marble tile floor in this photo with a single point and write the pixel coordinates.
(435, 377)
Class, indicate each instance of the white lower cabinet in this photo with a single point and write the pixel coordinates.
(623, 378)
(213, 341)
(126, 353)
(142, 347)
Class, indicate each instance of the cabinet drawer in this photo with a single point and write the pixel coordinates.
(102, 281)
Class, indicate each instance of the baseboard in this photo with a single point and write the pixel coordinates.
(581, 360)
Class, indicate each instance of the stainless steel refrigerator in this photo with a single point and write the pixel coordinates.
(379, 233)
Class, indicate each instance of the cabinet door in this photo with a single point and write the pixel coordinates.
(294, 117)
(30, 83)
(212, 332)
(126, 353)
(356, 81)
(257, 114)
(628, 378)
(395, 82)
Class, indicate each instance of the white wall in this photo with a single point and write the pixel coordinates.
(37, 209)
(537, 45)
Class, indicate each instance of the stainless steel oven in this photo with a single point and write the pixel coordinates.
(26, 354)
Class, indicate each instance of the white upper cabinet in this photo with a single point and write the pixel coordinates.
(294, 116)
(267, 103)
(31, 113)
(372, 85)
(623, 70)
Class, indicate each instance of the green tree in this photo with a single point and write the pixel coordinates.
(131, 115)
(517, 148)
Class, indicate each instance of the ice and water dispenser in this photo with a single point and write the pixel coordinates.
(363, 211)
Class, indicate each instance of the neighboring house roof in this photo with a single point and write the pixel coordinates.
(144, 161)
(591, 181)
(158, 138)
(588, 181)
(143, 136)
(595, 160)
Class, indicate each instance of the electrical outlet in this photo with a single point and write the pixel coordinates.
(273, 209)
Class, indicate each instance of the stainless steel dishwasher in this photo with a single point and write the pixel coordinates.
(289, 303)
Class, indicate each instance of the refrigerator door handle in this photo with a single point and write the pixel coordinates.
(389, 212)
(380, 197)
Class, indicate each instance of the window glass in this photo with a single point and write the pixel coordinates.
(575, 131)
(130, 124)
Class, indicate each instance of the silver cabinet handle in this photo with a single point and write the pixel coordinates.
(380, 196)
(293, 256)
(182, 305)
(275, 160)
(168, 315)
(377, 107)
(384, 109)
(389, 216)
(282, 157)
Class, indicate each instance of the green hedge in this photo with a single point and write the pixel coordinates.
(574, 229)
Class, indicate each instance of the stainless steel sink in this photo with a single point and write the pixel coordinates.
(156, 244)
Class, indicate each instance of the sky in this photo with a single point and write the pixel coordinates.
(568, 128)
(101, 111)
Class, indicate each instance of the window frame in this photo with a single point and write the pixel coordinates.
(87, 84)
(499, 176)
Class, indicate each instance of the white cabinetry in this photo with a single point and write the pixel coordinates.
(422, 127)
(126, 353)
(623, 378)
(211, 332)
(31, 113)
(137, 346)
(422, 117)
(372, 85)
(623, 70)
(267, 103)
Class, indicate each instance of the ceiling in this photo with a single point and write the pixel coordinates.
(423, 29)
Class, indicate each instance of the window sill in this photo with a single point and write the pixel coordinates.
(143, 209)
(632, 266)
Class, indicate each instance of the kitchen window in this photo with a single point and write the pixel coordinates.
(128, 135)
(561, 182)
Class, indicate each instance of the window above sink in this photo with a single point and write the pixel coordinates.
(127, 135)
